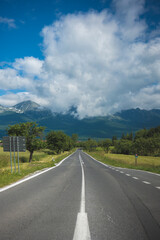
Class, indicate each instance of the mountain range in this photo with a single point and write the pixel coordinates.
(125, 121)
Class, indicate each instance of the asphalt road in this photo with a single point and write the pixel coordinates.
(82, 199)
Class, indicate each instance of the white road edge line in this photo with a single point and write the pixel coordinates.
(158, 187)
(33, 176)
(82, 231)
(98, 161)
(123, 168)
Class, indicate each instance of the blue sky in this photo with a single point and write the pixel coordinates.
(30, 16)
(101, 56)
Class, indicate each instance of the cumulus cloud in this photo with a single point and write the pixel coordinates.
(99, 62)
(128, 13)
(11, 79)
(29, 66)
(11, 99)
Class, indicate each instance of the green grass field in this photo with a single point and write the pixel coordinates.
(41, 159)
(146, 163)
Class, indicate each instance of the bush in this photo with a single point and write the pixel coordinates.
(23, 159)
(123, 147)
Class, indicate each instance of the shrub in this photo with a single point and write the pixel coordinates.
(23, 159)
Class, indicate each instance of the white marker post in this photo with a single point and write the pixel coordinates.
(136, 157)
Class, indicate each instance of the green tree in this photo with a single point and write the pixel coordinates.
(123, 136)
(130, 137)
(141, 134)
(58, 141)
(90, 145)
(147, 146)
(114, 139)
(106, 144)
(74, 139)
(31, 132)
(123, 147)
(68, 144)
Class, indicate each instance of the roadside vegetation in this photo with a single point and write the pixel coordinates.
(43, 158)
(141, 151)
(42, 152)
(147, 163)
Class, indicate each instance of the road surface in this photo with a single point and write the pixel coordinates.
(82, 199)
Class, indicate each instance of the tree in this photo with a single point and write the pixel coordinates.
(123, 147)
(130, 137)
(74, 139)
(31, 132)
(147, 146)
(141, 134)
(68, 144)
(106, 144)
(146, 142)
(123, 136)
(58, 141)
(114, 139)
(90, 145)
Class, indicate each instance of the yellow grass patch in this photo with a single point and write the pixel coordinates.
(130, 159)
(41, 159)
(147, 163)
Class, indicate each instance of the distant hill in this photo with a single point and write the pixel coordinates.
(93, 127)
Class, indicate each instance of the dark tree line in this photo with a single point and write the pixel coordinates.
(145, 142)
(92, 144)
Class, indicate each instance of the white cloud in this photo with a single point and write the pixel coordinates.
(10, 79)
(10, 22)
(95, 61)
(147, 97)
(11, 99)
(30, 66)
(128, 13)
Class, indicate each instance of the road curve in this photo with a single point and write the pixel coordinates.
(113, 203)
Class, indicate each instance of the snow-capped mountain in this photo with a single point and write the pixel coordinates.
(95, 127)
(27, 106)
(9, 109)
(22, 107)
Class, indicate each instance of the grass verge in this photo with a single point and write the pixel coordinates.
(146, 163)
(41, 159)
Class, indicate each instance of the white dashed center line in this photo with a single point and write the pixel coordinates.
(127, 174)
(82, 231)
(135, 178)
(146, 182)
